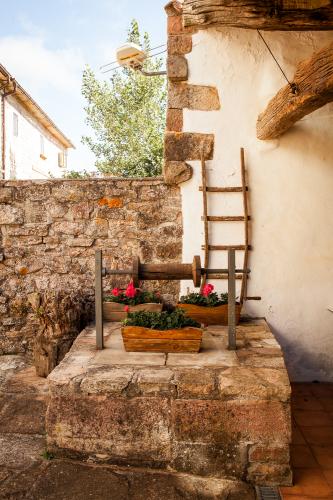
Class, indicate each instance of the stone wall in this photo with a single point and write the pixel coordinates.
(49, 231)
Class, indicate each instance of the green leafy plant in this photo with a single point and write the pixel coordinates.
(47, 455)
(160, 321)
(127, 116)
(75, 174)
(133, 296)
(206, 298)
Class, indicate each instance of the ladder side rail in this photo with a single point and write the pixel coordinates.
(232, 300)
(205, 217)
(246, 227)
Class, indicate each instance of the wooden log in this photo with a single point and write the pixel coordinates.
(313, 81)
(282, 15)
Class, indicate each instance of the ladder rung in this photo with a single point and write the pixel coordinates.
(232, 189)
(227, 247)
(223, 277)
(226, 218)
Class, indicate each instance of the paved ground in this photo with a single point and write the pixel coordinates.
(312, 448)
(26, 472)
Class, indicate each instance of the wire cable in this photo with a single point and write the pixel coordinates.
(293, 86)
(149, 57)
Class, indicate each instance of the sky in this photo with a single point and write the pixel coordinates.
(46, 45)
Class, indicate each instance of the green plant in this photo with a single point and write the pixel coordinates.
(74, 174)
(160, 321)
(127, 116)
(47, 455)
(206, 298)
(133, 296)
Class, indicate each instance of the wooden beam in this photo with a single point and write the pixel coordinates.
(282, 15)
(313, 82)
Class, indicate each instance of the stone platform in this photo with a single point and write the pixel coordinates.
(218, 415)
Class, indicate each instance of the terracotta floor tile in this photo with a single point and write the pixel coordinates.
(307, 418)
(299, 402)
(326, 402)
(328, 473)
(322, 390)
(304, 497)
(323, 455)
(309, 482)
(297, 436)
(301, 456)
(318, 435)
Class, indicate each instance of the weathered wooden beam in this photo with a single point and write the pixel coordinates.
(285, 15)
(313, 82)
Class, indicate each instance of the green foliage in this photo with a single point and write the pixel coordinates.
(160, 321)
(74, 174)
(141, 297)
(127, 116)
(47, 455)
(212, 300)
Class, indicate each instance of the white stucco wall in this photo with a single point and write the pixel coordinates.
(291, 190)
(23, 159)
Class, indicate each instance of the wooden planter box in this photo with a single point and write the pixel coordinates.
(139, 339)
(112, 311)
(210, 315)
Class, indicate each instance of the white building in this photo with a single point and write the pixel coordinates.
(32, 146)
(229, 80)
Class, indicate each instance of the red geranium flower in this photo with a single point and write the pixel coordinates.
(116, 292)
(126, 309)
(130, 291)
(207, 290)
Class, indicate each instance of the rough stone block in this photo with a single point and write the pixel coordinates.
(28, 230)
(173, 8)
(6, 194)
(270, 475)
(175, 25)
(219, 421)
(254, 383)
(183, 146)
(155, 382)
(197, 97)
(207, 459)
(198, 384)
(80, 242)
(275, 454)
(179, 44)
(174, 120)
(107, 381)
(177, 68)
(135, 429)
(11, 215)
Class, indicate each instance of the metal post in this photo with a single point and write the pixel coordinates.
(99, 300)
(231, 300)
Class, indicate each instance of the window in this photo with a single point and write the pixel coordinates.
(15, 124)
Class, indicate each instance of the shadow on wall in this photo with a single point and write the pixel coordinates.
(62, 316)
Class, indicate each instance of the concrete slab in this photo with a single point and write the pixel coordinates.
(115, 354)
(213, 353)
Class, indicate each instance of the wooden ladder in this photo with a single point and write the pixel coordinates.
(207, 219)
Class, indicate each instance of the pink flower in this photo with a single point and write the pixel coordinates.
(126, 309)
(207, 290)
(116, 292)
(130, 291)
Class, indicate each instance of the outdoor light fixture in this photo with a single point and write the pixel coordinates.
(132, 56)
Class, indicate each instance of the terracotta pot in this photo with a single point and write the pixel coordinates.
(112, 311)
(210, 315)
(139, 339)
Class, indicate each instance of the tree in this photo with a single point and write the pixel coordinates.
(127, 115)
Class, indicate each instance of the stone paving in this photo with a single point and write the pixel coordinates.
(216, 414)
(28, 472)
